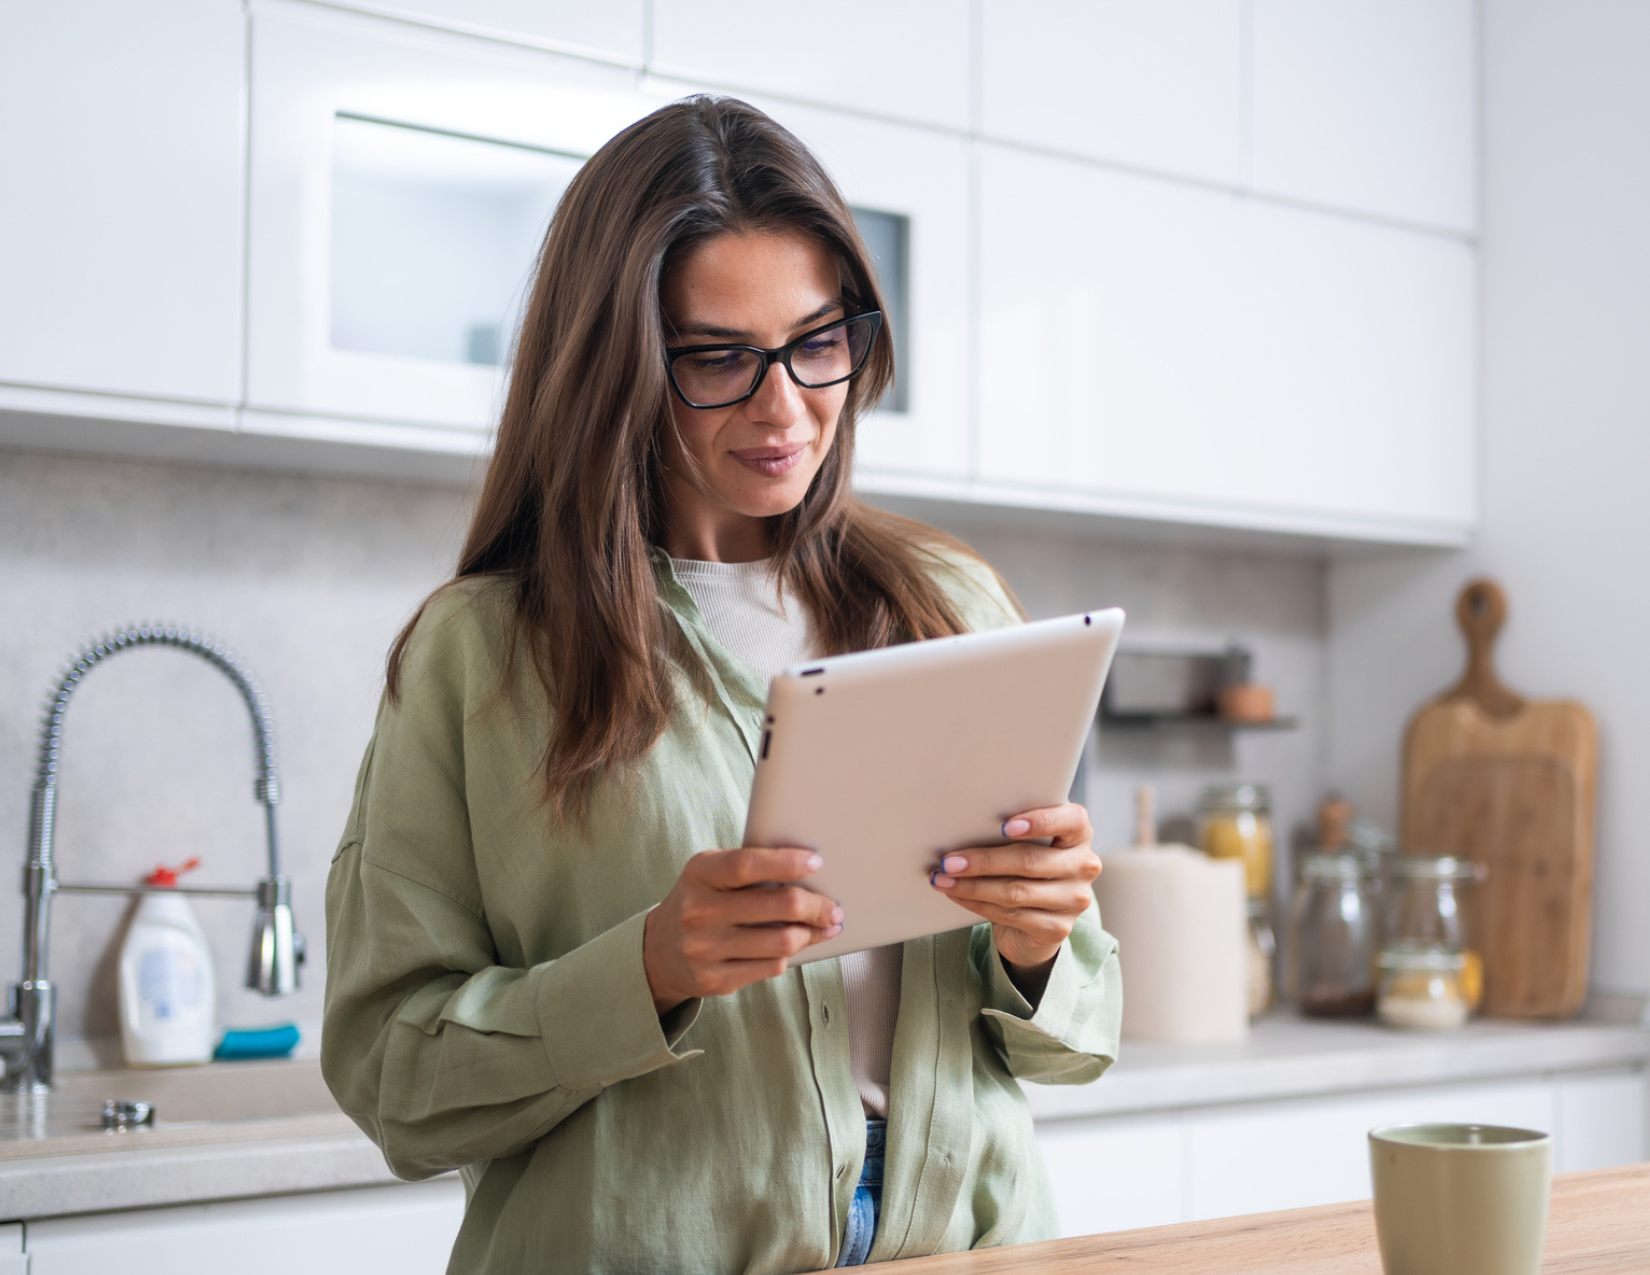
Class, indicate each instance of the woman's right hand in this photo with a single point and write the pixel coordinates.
(733, 918)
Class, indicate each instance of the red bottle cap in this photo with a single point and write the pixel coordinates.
(169, 876)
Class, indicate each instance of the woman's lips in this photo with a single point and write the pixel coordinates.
(771, 462)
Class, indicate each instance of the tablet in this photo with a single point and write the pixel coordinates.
(883, 761)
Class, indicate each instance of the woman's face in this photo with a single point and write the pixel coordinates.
(756, 458)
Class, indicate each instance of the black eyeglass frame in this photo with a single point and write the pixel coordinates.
(781, 355)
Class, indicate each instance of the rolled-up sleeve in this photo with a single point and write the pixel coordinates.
(1070, 1036)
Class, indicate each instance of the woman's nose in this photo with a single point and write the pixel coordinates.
(778, 400)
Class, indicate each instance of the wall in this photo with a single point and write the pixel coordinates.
(1566, 269)
(308, 578)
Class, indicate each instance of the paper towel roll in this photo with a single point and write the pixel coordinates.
(1182, 935)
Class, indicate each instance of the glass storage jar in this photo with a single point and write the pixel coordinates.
(1421, 989)
(1235, 822)
(1334, 937)
(1263, 948)
(1433, 905)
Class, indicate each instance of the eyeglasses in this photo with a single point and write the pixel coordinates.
(722, 375)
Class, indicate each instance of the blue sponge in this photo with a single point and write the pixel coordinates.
(263, 1042)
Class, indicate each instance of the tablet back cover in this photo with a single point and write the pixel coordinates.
(883, 761)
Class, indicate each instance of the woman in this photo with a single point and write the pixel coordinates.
(544, 966)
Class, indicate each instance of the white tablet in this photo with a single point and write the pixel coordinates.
(882, 761)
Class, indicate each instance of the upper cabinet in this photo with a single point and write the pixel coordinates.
(1197, 261)
(401, 185)
(121, 141)
(908, 60)
(612, 29)
(1154, 84)
(1155, 349)
(1368, 105)
(907, 186)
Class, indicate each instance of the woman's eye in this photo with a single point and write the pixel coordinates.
(713, 363)
(821, 345)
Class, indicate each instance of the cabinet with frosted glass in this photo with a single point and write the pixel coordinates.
(401, 183)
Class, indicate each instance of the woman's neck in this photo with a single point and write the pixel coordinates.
(731, 538)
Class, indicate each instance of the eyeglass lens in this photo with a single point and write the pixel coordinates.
(715, 377)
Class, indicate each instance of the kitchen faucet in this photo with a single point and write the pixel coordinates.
(277, 949)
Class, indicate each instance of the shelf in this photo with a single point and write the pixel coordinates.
(1150, 721)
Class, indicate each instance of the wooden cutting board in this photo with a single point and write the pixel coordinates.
(1509, 782)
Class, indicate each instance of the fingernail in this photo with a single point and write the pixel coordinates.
(953, 863)
(941, 881)
(1016, 827)
(833, 931)
(815, 863)
(836, 916)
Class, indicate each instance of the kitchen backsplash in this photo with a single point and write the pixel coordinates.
(308, 579)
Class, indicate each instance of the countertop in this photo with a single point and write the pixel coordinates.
(1599, 1224)
(1287, 1056)
(232, 1130)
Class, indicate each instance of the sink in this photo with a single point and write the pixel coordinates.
(217, 1102)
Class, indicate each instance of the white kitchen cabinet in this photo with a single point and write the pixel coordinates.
(400, 184)
(908, 60)
(13, 1261)
(1289, 1156)
(1115, 1173)
(612, 29)
(1154, 84)
(1367, 105)
(408, 1229)
(1166, 351)
(120, 197)
(1601, 1121)
(1151, 1169)
(921, 177)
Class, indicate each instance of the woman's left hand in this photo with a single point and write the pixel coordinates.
(1031, 894)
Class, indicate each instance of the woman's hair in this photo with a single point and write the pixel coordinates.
(572, 503)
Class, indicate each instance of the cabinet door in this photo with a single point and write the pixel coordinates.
(1115, 1173)
(611, 29)
(1177, 352)
(401, 182)
(1269, 1156)
(1601, 1121)
(12, 1259)
(1368, 105)
(918, 179)
(120, 196)
(908, 60)
(408, 1229)
(1154, 84)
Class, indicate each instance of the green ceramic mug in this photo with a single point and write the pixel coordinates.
(1460, 1199)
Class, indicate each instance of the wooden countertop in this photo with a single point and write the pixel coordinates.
(1599, 1224)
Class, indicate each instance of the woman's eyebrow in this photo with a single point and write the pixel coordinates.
(743, 336)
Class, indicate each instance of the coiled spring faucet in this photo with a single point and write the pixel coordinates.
(277, 948)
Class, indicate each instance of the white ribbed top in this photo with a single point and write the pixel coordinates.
(769, 628)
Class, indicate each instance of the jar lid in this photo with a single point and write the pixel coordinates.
(1443, 867)
(1236, 797)
(1333, 867)
(1422, 958)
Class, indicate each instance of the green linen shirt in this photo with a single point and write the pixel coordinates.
(487, 1007)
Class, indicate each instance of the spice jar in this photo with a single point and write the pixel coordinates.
(1421, 989)
(1334, 937)
(1235, 822)
(1434, 906)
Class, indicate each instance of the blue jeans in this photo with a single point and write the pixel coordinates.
(866, 1205)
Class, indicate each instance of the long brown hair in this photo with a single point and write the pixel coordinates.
(572, 502)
